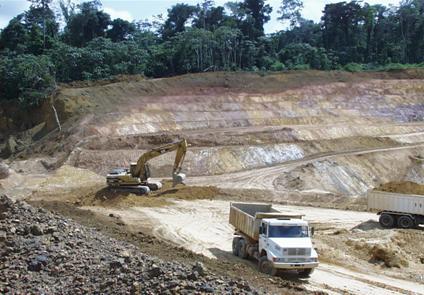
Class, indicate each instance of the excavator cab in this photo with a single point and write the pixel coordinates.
(133, 166)
(146, 170)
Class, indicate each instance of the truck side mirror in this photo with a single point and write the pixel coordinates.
(312, 231)
(260, 230)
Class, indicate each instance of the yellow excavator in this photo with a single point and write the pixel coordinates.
(136, 178)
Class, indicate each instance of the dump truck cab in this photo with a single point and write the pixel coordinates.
(287, 244)
(278, 240)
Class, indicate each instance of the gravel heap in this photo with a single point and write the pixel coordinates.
(42, 252)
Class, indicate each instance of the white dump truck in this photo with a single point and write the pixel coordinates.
(277, 240)
(397, 210)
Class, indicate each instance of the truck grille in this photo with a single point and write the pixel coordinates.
(296, 260)
(299, 252)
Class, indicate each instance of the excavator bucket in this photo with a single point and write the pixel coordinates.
(178, 178)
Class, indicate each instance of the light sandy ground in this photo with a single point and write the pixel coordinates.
(202, 226)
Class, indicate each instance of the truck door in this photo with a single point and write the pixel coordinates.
(263, 237)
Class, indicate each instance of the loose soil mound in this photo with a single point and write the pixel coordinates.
(369, 246)
(108, 198)
(183, 192)
(402, 187)
(389, 256)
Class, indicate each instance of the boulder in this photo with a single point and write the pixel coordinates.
(4, 171)
(36, 230)
(199, 268)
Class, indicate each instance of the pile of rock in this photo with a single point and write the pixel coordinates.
(42, 252)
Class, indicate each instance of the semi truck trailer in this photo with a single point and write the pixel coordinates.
(278, 241)
(397, 210)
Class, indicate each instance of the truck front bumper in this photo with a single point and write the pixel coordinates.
(301, 265)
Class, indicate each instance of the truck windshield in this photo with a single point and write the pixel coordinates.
(288, 231)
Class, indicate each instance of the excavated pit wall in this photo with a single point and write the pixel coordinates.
(202, 161)
(332, 104)
(272, 121)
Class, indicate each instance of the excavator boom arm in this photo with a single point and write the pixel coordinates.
(179, 157)
(180, 146)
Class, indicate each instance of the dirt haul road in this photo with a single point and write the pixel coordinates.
(202, 227)
(264, 178)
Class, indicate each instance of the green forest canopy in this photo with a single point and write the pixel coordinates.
(354, 36)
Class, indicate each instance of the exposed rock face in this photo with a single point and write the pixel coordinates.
(42, 252)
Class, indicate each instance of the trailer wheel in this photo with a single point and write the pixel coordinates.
(266, 266)
(242, 249)
(235, 246)
(406, 222)
(306, 273)
(387, 220)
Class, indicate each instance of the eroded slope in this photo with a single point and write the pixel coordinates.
(350, 132)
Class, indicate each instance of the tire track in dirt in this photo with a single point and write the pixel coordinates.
(353, 282)
(202, 226)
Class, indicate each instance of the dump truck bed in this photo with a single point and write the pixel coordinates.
(246, 217)
(404, 203)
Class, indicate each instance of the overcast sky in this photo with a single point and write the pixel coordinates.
(142, 9)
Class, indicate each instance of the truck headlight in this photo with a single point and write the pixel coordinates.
(278, 248)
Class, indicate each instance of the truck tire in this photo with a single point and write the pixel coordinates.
(305, 273)
(405, 222)
(242, 249)
(265, 266)
(236, 246)
(387, 220)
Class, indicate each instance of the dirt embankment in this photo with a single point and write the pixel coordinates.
(331, 140)
(397, 253)
(402, 187)
(111, 199)
(73, 101)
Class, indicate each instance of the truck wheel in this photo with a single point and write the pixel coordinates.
(406, 222)
(242, 250)
(387, 220)
(266, 266)
(306, 273)
(236, 246)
